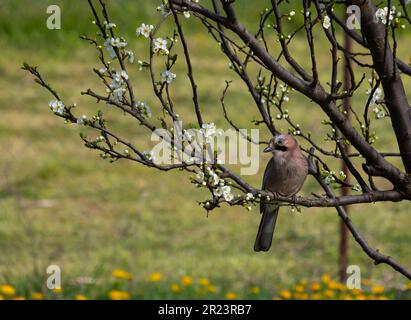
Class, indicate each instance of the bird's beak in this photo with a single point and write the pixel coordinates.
(268, 149)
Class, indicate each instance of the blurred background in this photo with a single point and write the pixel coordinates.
(122, 228)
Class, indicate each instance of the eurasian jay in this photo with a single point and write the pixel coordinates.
(285, 174)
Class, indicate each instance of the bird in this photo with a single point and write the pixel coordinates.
(284, 175)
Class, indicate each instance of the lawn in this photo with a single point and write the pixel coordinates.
(60, 203)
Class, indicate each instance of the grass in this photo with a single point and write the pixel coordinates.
(61, 204)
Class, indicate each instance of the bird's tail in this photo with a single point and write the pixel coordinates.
(266, 228)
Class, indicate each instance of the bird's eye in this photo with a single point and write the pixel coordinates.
(280, 148)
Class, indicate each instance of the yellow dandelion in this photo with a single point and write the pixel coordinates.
(255, 290)
(80, 297)
(346, 297)
(326, 278)
(409, 286)
(230, 296)
(175, 288)
(19, 298)
(377, 289)
(1, 298)
(118, 295)
(285, 294)
(356, 291)
(316, 296)
(366, 282)
(299, 288)
(186, 280)
(315, 286)
(155, 276)
(333, 285)
(212, 289)
(37, 296)
(122, 274)
(204, 282)
(329, 294)
(383, 298)
(58, 290)
(361, 297)
(8, 290)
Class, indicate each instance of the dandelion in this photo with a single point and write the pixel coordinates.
(37, 296)
(285, 294)
(329, 294)
(122, 274)
(326, 278)
(299, 288)
(7, 290)
(19, 298)
(175, 288)
(155, 277)
(168, 76)
(186, 280)
(204, 282)
(80, 297)
(212, 289)
(326, 22)
(119, 295)
(58, 290)
(408, 286)
(144, 30)
(255, 290)
(230, 296)
(377, 289)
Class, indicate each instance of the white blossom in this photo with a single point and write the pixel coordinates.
(208, 130)
(57, 106)
(186, 14)
(160, 46)
(144, 30)
(109, 25)
(130, 55)
(326, 22)
(249, 196)
(381, 15)
(144, 108)
(225, 192)
(148, 155)
(376, 96)
(81, 120)
(168, 76)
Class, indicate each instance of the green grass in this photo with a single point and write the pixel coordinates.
(61, 204)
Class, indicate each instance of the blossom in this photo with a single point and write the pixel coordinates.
(164, 9)
(208, 130)
(109, 25)
(144, 30)
(110, 43)
(249, 196)
(143, 108)
(148, 155)
(168, 76)
(225, 192)
(326, 22)
(376, 96)
(81, 120)
(57, 106)
(160, 46)
(186, 14)
(117, 95)
(130, 55)
(381, 15)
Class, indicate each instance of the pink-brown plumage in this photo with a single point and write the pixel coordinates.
(285, 174)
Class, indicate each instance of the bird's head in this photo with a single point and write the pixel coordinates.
(282, 145)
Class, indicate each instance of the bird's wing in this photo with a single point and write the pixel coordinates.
(268, 168)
